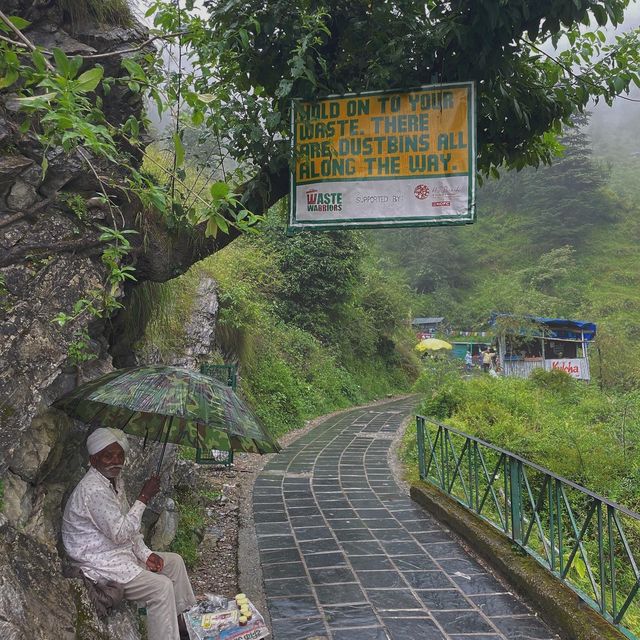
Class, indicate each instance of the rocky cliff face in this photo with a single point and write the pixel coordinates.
(197, 337)
(49, 259)
(49, 246)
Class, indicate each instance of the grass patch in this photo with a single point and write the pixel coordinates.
(190, 527)
(573, 429)
(210, 495)
(104, 12)
(187, 453)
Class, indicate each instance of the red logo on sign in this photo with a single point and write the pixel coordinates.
(421, 191)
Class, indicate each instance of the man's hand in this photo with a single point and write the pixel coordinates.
(155, 563)
(149, 489)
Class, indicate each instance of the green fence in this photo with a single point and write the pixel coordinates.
(227, 373)
(584, 539)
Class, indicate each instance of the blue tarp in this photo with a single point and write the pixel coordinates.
(559, 327)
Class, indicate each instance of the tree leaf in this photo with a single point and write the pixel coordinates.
(39, 61)
(212, 228)
(600, 14)
(273, 119)
(618, 84)
(63, 64)
(8, 80)
(179, 149)
(134, 69)
(18, 22)
(223, 224)
(35, 100)
(219, 190)
(197, 117)
(90, 79)
(244, 38)
(75, 65)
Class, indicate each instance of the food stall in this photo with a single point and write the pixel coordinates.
(548, 343)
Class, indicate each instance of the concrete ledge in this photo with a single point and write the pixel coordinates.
(557, 604)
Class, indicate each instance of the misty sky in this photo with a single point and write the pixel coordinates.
(633, 15)
(623, 113)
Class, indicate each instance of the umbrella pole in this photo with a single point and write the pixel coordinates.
(164, 446)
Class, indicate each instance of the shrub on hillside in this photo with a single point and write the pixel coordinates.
(569, 427)
(441, 383)
(436, 372)
(556, 380)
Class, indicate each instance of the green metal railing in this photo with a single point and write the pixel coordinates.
(584, 539)
(227, 373)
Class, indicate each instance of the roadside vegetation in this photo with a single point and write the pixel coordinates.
(576, 430)
(558, 241)
(315, 322)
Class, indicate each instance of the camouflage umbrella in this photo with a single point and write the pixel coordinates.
(170, 404)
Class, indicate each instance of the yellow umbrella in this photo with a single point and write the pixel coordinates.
(433, 344)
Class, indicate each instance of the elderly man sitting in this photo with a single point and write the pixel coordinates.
(101, 533)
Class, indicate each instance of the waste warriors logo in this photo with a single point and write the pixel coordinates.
(323, 201)
(421, 191)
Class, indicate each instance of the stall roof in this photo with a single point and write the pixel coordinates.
(427, 320)
(559, 327)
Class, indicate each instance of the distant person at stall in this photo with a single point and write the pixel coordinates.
(468, 361)
(101, 534)
(487, 360)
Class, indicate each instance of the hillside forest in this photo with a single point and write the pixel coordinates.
(560, 241)
(320, 321)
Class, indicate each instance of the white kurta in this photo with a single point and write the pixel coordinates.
(101, 532)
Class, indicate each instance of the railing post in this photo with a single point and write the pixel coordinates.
(612, 561)
(515, 475)
(552, 535)
(507, 494)
(559, 528)
(475, 475)
(601, 560)
(421, 454)
(470, 465)
(445, 436)
(443, 471)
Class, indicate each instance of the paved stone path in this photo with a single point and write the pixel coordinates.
(346, 555)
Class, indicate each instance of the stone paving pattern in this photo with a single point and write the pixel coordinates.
(346, 555)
